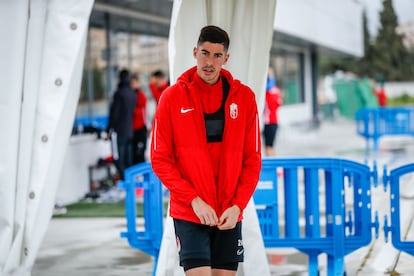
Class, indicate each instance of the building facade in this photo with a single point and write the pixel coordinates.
(136, 36)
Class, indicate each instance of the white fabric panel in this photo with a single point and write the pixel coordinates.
(48, 76)
(12, 53)
(251, 35)
(181, 43)
(168, 262)
(250, 27)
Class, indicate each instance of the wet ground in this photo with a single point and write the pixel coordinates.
(93, 246)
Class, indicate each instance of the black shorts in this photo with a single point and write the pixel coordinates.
(203, 245)
(270, 134)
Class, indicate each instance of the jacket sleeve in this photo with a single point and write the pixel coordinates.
(163, 157)
(252, 159)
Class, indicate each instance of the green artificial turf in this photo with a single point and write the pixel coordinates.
(95, 209)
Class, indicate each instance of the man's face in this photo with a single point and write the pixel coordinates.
(210, 58)
(134, 83)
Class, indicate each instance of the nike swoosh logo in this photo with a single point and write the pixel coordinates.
(186, 110)
(240, 251)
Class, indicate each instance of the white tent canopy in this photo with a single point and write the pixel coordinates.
(40, 71)
(250, 27)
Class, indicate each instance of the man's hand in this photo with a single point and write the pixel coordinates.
(204, 212)
(228, 219)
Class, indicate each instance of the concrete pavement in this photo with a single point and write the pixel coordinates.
(94, 247)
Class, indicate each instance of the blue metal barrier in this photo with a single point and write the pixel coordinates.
(330, 222)
(316, 205)
(373, 123)
(99, 122)
(148, 239)
(393, 179)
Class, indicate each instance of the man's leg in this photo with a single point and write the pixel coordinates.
(223, 272)
(200, 271)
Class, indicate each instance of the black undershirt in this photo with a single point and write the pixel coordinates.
(214, 122)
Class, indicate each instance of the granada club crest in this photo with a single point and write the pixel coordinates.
(234, 111)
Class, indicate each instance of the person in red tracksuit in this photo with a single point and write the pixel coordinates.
(381, 95)
(157, 84)
(206, 150)
(270, 113)
(139, 122)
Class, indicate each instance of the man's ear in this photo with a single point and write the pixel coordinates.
(226, 58)
(194, 52)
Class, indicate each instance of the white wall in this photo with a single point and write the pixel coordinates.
(301, 112)
(290, 114)
(83, 150)
(396, 89)
(335, 24)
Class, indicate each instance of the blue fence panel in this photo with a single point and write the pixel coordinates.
(266, 202)
(149, 238)
(330, 223)
(316, 205)
(373, 123)
(99, 122)
(394, 179)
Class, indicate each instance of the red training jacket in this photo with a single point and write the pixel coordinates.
(381, 96)
(157, 91)
(273, 102)
(179, 149)
(139, 118)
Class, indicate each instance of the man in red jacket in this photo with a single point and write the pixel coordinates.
(139, 122)
(205, 149)
(157, 84)
(381, 95)
(270, 113)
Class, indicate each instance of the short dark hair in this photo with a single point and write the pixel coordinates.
(123, 75)
(214, 34)
(158, 74)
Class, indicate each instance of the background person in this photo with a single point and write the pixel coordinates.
(270, 113)
(139, 122)
(157, 84)
(120, 122)
(381, 94)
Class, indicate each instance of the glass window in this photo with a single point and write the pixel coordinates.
(141, 54)
(288, 68)
(92, 100)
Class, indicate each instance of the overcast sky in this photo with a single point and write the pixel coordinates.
(403, 8)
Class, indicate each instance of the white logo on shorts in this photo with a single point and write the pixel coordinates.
(240, 250)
